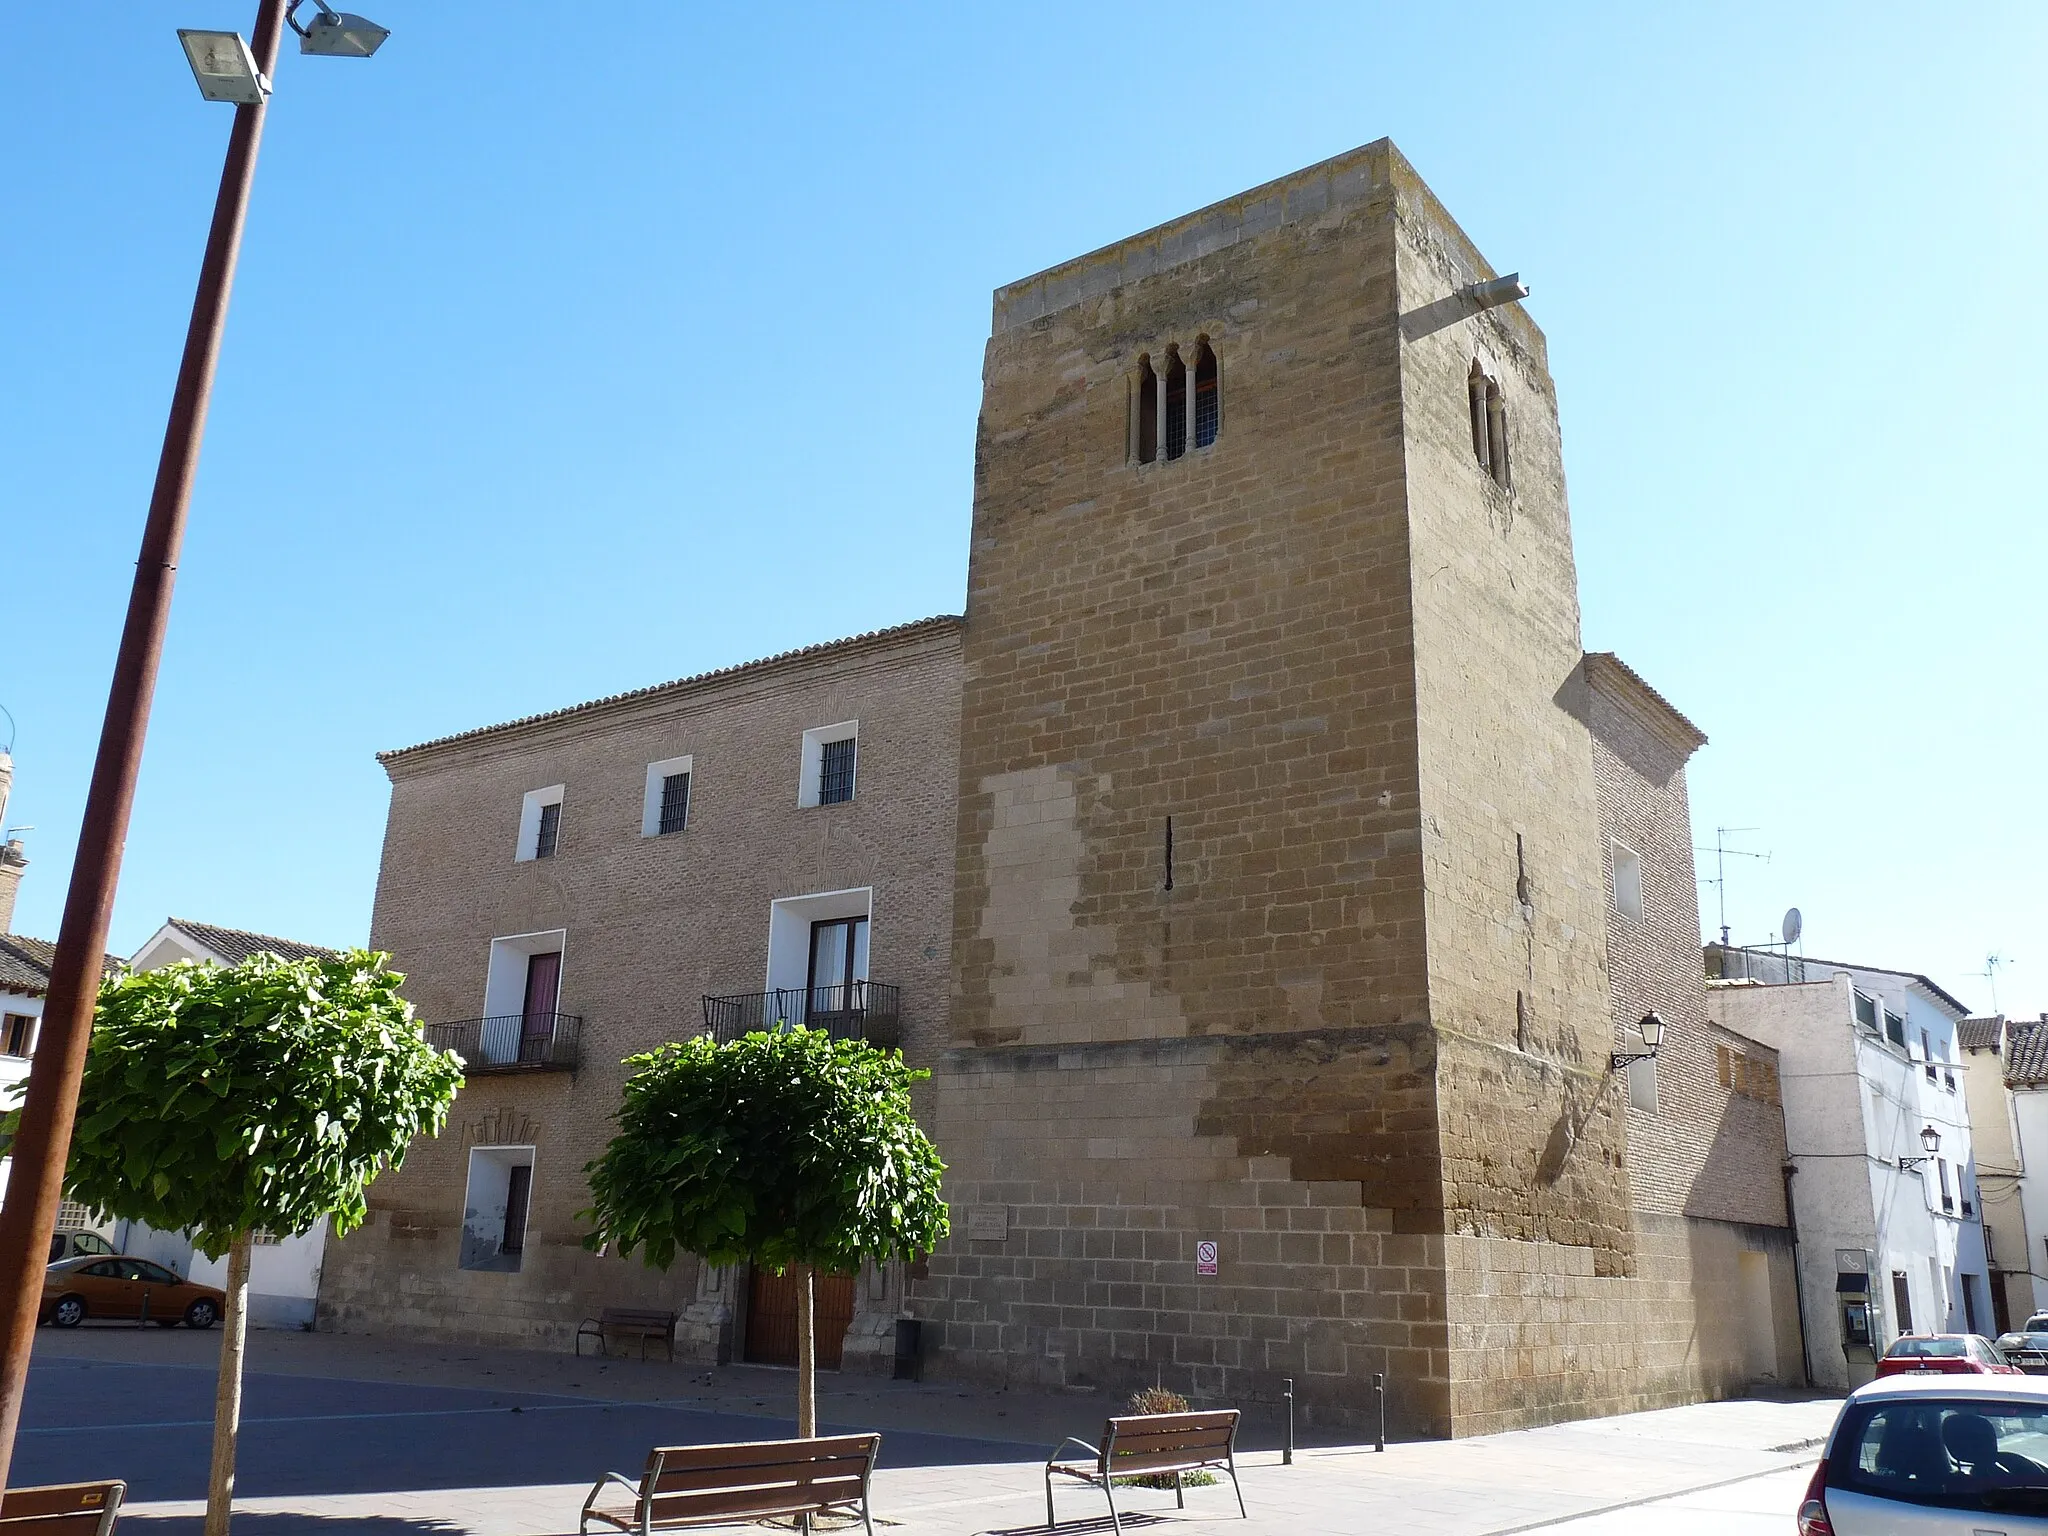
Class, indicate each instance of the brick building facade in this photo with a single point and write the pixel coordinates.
(645, 925)
(1267, 847)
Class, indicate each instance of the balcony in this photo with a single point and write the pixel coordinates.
(513, 1042)
(860, 1010)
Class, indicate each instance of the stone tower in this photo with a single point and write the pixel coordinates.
(1279, 914)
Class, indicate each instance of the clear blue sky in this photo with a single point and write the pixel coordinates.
(577, 348)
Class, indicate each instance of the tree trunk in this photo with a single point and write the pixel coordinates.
(227, 1395)
(806, 1356)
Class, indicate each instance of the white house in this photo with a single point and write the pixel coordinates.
(284, 1268)
(2019, 1270)
(1878, 1137)
(2026, 1077)
(24, 978)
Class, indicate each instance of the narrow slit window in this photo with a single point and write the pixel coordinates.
(1208, 397)
(1496, 435)
(1147, 424)
(1176, 404)
(1476, 389)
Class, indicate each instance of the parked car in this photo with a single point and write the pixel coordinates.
(1934, 1455)
(1951, 1354)
(73, 1245)
(2028, 1347)
(125, 1288)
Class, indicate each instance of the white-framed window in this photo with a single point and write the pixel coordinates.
(540, 823)
(1628, 881)
(495, 1208)
(1642, 1085)
(830, 752)
(665, 808)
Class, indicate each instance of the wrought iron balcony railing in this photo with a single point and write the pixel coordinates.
(513, 1042)
(860, 1010)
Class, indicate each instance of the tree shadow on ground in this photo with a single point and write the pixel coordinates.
(292, 1523)
(1086, 1527)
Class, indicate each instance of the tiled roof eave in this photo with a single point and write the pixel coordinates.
(877, 639)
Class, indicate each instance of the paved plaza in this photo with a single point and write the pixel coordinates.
(356, 1437)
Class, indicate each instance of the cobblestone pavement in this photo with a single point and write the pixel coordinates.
(354, 1437)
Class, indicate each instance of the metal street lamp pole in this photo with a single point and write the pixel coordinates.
(36, 1185)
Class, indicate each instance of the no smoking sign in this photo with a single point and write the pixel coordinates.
(1205, 1258)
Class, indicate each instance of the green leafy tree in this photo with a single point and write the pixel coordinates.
(266, 1096)
(786, 1149)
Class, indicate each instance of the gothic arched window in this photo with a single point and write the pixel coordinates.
(1489, 423)
(1208, 396)
(1176, 403)
(1145, 412)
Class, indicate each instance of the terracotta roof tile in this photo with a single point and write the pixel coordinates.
(25, 964)
(851, 642)
(1981, 1034)
(235, 945)
(2026, 1053)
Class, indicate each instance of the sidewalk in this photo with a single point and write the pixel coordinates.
(1487, 1486)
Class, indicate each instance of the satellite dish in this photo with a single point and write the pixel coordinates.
(1789, 927)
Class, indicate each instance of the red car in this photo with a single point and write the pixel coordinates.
(1945, 1354)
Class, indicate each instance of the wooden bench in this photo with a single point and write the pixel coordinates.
(689, 1485)
(65, 1509)
(1151, 1445)
(623, 1322)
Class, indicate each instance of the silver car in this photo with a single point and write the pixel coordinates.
(1935, 1456)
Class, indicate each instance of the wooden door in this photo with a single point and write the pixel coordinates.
(518, 1192)
(771, 1318)
(543, 991)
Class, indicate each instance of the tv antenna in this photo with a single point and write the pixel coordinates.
(1722, 854)
(1990, 974)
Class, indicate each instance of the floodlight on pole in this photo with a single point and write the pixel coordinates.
(228, 68)
(224, 67)
(337, 34)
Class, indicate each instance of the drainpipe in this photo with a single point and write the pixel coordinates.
(1798, 1280)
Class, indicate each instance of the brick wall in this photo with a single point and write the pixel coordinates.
(653, 924)
(1715, 1146)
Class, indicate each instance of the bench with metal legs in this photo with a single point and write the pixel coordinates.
(1151, 1445)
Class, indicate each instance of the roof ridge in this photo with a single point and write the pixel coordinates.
(888, 632)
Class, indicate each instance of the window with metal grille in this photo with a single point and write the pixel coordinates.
(550, 829)
(835, 772)
(72, 1216)
(675, 802)
(1176, 404)
(1177, 407)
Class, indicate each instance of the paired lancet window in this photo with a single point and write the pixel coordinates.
(1489, 424)
(1175, 405)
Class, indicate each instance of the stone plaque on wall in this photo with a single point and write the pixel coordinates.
(988, 1223)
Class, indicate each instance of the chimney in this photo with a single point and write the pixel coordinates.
(13, 860)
